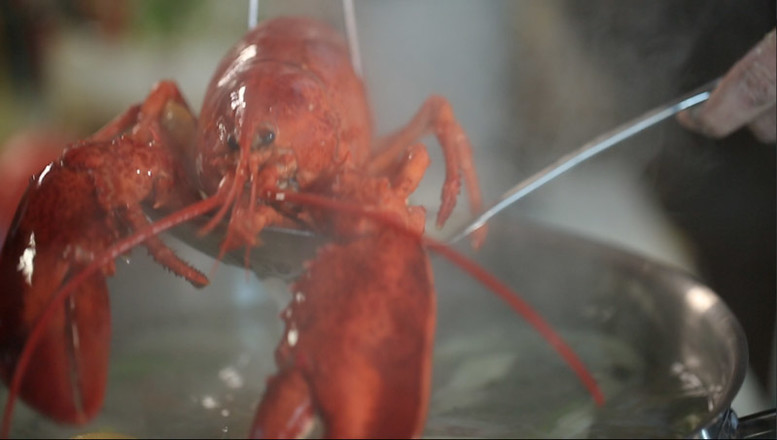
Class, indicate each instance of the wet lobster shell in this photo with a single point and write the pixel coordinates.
(284, 110)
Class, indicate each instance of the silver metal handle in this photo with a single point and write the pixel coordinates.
(585, 152)
(759, 425)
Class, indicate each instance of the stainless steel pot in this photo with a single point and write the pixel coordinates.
(667, 352)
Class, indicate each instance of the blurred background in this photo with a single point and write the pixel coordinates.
(529, 81)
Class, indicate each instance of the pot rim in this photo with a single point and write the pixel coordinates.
(677, 281)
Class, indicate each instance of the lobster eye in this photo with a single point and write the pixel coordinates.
(232, 143)
(264, 138)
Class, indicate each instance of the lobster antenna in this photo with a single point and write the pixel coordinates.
(353, 38)
(253, 13)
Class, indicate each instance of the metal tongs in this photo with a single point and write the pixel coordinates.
(585, 152)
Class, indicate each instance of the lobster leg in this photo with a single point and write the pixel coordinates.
(436, 114)
(157, 103)
(163, 254)
(405, 179)
(117, 126)
(408, 175)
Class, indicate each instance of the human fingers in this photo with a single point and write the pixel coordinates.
(745, 96)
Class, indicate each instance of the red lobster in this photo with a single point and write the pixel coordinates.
(284, 138)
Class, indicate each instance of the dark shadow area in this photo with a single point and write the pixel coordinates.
(723, 193)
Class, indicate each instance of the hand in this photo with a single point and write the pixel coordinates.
(745, 96)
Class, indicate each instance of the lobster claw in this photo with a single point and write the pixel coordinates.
(72, 360)
(286, 410)
(357, 345)
(67, 375)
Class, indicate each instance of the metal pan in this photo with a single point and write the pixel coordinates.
(668, 353)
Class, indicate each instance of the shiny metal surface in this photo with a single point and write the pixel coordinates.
(668, 317)
(587, 151)
(759, 425)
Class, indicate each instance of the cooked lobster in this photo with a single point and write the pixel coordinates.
(284, 138)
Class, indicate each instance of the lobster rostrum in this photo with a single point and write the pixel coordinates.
(284, 138)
